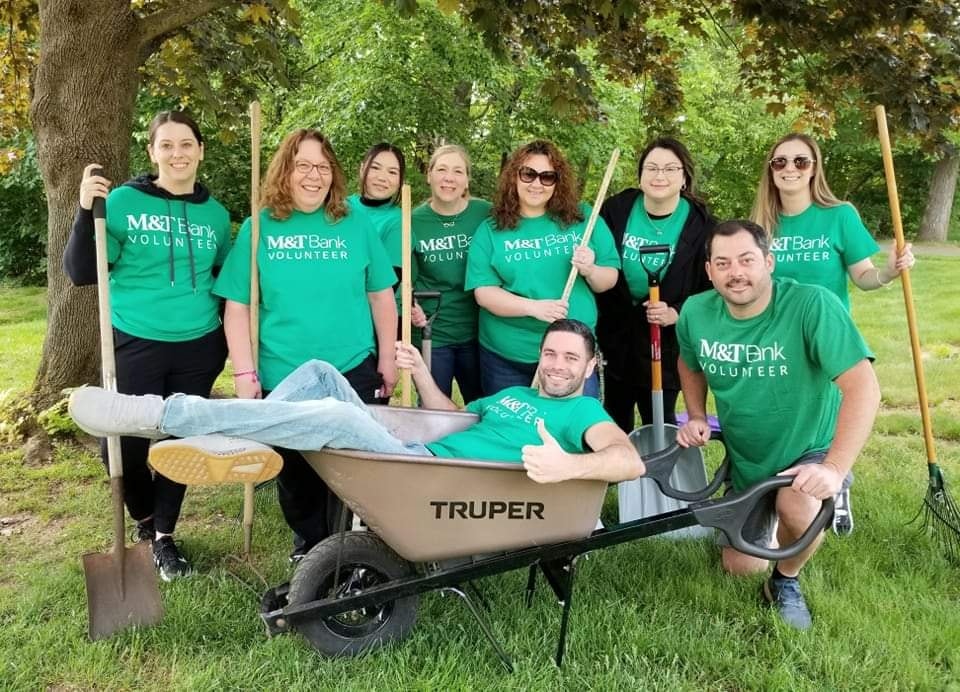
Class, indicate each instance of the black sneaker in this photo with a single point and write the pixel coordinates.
(170, 563)
(298, 554)
(143, 532)
(785, 595)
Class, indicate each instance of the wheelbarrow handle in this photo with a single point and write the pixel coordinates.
(731, 513)
(660, 467)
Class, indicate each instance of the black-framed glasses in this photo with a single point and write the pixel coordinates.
(304, 168)
(801, 163)
(669, 171)
(547, 178)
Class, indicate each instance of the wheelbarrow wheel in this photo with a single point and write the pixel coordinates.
(365, 562)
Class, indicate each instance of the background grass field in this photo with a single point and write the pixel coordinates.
(652, 614)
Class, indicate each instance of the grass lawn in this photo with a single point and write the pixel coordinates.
(651, 614)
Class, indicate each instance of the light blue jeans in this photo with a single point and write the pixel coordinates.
(312, 408)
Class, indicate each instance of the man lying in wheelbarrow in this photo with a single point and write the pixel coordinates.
(555, 431)
(795, 390)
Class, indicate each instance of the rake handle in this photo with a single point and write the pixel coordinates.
(894, 197)
(406, 289)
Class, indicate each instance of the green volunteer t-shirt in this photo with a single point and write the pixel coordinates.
(772, 374)
(440, 246)
(533, 261)
(314, 280)
(642, 230)
(146, 299)
(508, 421)
(380, 216)
(817, 245)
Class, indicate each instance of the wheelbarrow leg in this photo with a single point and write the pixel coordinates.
(560, 574)
(531, 585)
(484, 625)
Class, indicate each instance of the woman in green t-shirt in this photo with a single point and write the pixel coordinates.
(381, 175)
(166, 237)
(442, 229)
(815, 237)
(326, 292)
(519, 261)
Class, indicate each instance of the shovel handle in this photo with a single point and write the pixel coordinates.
(255, 130)
(406, 289)
(659, 469)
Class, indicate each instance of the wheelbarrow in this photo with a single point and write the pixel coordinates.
(440, 524)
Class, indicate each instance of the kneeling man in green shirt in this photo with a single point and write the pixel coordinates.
(795, 390)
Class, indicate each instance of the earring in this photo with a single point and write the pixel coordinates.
(683, 187)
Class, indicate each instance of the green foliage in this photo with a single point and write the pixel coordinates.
(23, 210)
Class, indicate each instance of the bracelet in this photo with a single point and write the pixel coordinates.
(252, 373)
(881, 282)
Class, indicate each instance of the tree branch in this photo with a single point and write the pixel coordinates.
(159, 25)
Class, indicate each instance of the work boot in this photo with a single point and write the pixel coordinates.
(785, 595)
(103, 413)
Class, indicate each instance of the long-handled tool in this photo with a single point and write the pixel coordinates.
(588, 231)
(941, 515)
(255, 128)
(406, 290)
(122, 584)
(642, 498)
(426, 332)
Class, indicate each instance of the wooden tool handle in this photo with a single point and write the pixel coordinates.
(406, 290)
(255, 131)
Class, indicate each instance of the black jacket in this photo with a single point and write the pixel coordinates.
(622, 328)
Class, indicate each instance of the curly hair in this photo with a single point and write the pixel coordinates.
(277, 195)
(767, 205)
(563, 206)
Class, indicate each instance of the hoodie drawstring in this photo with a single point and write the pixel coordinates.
(193, 263)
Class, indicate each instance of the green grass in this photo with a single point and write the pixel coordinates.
(652, 614)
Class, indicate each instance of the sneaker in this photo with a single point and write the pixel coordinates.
(143, 532)
(297, 555)
(842, 513)
(168, 560)
(210, 459)
(103, 413)
(785, 595)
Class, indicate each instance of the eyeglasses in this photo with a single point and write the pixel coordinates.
(801, 163)
(668, 171)
(547, 178)
(304, 168)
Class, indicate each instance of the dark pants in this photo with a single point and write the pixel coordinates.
(460, 361)
(145, 366)
(311, 509)
(620, 396)
(497, 373)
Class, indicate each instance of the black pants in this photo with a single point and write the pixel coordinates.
(620, 396)
(145, 366)
(311, 509)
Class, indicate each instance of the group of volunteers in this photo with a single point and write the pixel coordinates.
(754, 310)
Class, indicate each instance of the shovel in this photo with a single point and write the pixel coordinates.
(642, 498)
(426, 339)
(122, 584)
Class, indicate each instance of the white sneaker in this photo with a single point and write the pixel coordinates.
(842, 514)
(103, 413)
(212, 459)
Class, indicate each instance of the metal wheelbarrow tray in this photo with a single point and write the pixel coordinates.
(440, 524)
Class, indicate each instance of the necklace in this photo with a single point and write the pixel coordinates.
(654, 226)
(450, 220)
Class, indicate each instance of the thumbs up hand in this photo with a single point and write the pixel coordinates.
(547, 462)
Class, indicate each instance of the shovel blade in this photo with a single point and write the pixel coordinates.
(122, 590)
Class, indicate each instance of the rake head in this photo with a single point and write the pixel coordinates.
(941, 515)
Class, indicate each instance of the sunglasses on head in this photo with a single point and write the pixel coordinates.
(801, 163)
(547, 178)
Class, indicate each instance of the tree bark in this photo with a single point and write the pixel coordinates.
(943, 187)
(84, 90)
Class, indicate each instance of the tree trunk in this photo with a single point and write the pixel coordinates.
(943, 186)
(84, 91)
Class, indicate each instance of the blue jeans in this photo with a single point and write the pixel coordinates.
(460, 361)
(497, 373)
(312, 408)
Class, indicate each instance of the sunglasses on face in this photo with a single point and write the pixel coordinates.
(547, 178)
(801, 163)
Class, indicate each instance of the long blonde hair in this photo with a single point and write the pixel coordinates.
(277, 195)
(767, 205)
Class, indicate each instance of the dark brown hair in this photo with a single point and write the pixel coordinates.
(563, 206)
(164, 117)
